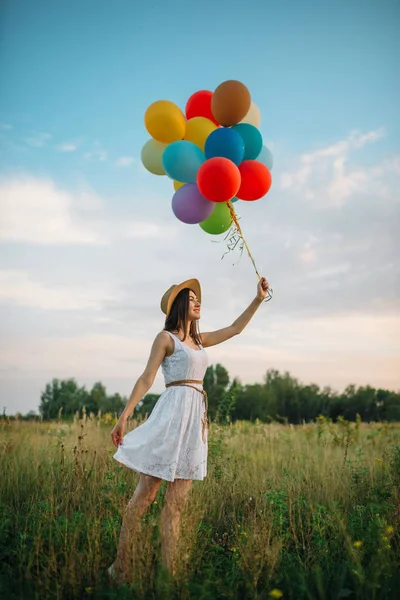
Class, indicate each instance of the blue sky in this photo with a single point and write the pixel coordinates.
(85, 221)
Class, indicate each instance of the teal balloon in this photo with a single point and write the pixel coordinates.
(266, 157)
(182, 160)
(252, 139)
(234, 199)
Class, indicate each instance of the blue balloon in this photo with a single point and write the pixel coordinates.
(252, 139)
(266, 157)
(181, 161)
(234, 199)
(226, 143)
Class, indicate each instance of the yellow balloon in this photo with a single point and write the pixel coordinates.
(253, 116)
(151, 156)
(198, 129)
(177, 185)
(165, 121)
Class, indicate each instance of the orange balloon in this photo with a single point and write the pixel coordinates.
(230, 102)
(177, 185)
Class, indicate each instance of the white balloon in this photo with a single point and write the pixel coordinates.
(253, 116)
(266, 157)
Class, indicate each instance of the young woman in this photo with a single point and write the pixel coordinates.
(172, 443)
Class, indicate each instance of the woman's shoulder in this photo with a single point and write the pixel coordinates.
(167, 337)
(163, 335)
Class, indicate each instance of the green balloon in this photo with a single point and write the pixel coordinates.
(219, 221)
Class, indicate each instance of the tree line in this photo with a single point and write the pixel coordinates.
(280, 397)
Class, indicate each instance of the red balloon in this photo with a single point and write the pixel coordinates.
(199, 105)
(256, 180)
(218, 179)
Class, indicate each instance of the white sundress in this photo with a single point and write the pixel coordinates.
(169, 444)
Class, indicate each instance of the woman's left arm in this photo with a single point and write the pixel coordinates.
(213, 338)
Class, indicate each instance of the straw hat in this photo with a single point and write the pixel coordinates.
(168, 299)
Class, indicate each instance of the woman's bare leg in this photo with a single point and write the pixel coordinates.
(174, 504)
(143, 496)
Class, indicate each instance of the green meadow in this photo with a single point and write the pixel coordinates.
(309, 512)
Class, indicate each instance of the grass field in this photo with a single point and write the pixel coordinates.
(305, 512)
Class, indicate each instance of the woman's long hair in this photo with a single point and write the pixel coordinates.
(178, 317)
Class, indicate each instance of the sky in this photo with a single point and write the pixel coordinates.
(88, 240)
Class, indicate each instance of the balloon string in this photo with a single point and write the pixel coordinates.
(237, 225)
(240, 232)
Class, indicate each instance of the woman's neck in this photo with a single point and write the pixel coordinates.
(182, 330)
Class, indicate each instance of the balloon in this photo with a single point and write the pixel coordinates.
(198, 129)
(256, 180)
(152, 153)
(253, 116)
(234, 199)
(252, 139)
(182, 160)
(165, 121)
(266, 157)
(219, 221)
(189, 206)
(227, 143)
(218, 179)
(178, 184)
(199, 105)
(230, 102)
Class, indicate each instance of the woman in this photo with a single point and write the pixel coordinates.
(172, 443)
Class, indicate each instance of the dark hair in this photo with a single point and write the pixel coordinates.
(178, 317)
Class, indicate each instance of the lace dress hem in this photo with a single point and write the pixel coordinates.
(150, 471)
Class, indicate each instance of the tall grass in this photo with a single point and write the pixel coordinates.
(305, 512)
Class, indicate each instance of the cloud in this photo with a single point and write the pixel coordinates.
(124, 161)
(323, 175)
(36, 211)
(68, 147)
(6, 126)
(145, 230)
(333, 266)
(38, 140)
(98, 153)
(19, 287)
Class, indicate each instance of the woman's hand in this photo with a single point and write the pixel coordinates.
(262, 289)
(117, 433)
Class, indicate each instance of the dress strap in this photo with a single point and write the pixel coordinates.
(188, 383)
(179, 340)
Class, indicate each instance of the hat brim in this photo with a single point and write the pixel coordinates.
(192, 284)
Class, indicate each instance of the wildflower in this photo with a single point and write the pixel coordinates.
(378, 459)
(357, 544)
(275, 593)
(155, 502)
(88, 590)
(389, 530)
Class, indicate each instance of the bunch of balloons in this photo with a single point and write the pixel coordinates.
(214, 153)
